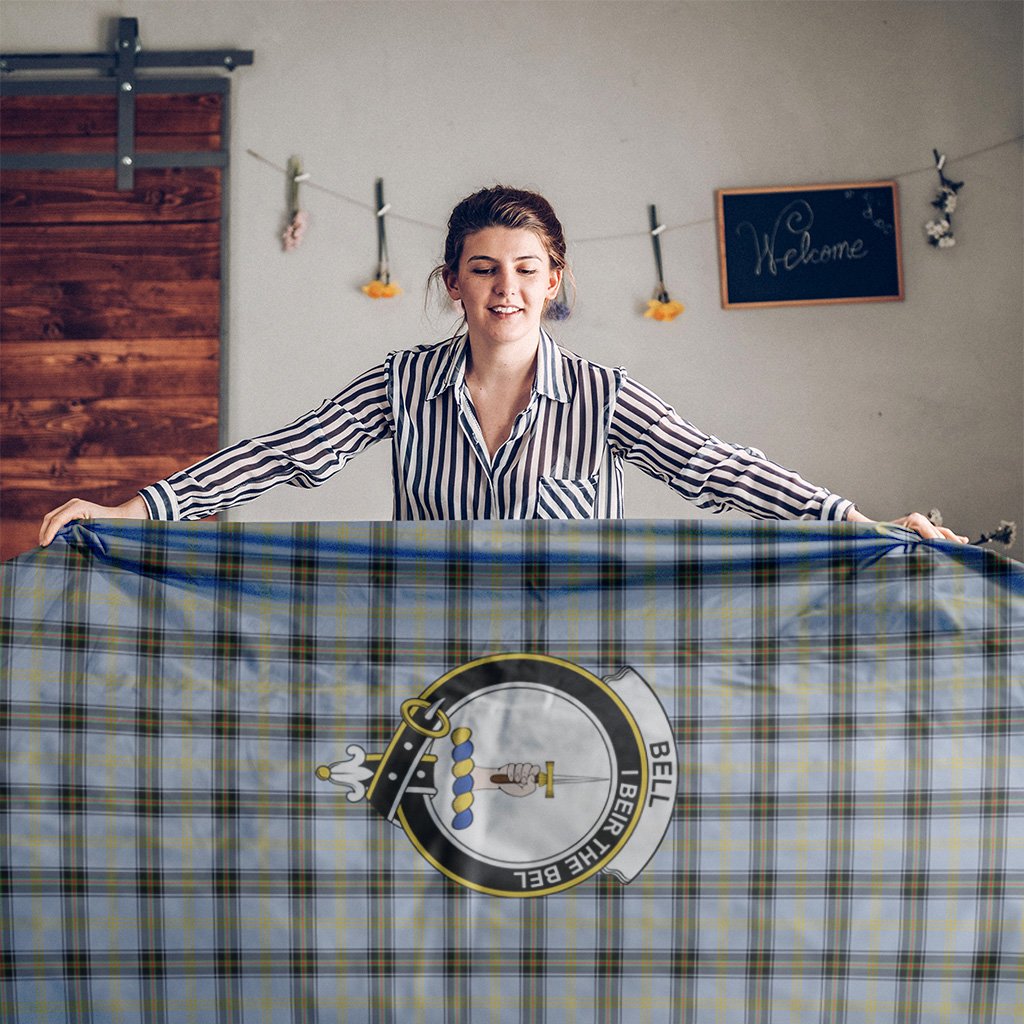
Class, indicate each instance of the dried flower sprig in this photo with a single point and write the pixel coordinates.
(1005, 533)
(381, 287)
(378, 289)
(661, 307)
(558, 308)
(940, 231)
(292, 236)
(665, 311)
(298, 218)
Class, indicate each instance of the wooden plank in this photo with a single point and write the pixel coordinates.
(18, 536)
(108, 144)
(31, 487)
(54, 429)
(110, 252)
(93, 310)
(110, 369)
(84, 116)
(81, 197)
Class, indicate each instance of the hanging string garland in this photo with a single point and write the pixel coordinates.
(661, 307)
(940, 232)
(298, 218)
(381, 287)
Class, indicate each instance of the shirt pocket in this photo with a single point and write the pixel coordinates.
(566, 498)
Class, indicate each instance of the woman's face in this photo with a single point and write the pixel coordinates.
(505, 277)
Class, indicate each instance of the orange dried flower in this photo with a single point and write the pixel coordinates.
(665, 311)
(380, 290)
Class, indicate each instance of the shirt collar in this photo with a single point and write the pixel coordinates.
(550, 378)
(451, 370)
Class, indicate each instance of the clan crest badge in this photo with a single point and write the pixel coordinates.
(524, 774)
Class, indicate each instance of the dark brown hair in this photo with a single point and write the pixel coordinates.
(501, 207)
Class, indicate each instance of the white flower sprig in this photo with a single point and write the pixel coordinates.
(1005, 533)
(940, 231)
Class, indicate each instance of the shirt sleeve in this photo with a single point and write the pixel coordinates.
(713, 474)
(305, 453)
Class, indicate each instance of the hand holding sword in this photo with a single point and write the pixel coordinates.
(522, 779)
(515, 778)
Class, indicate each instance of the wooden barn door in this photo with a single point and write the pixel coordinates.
(111, 303)
(110, 309)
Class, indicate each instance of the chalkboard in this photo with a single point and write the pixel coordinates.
(812, 244)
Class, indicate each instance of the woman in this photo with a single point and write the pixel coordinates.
(498, 422)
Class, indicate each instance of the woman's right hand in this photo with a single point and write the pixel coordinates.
(77, 508)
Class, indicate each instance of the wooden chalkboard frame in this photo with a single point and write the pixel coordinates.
(891, 251)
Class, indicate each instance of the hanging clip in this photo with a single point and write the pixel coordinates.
(940, 163)
(661, 307)
(381, 287)
(660, 292)
(295, 178)
(383, 270)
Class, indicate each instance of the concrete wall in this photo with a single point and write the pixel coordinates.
(606, 107)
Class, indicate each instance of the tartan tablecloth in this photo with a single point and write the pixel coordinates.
(844, 839)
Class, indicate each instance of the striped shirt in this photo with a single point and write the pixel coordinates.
(562, 460)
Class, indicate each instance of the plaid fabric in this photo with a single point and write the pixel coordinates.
(847, 842)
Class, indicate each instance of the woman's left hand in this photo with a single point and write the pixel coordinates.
(914, 521)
